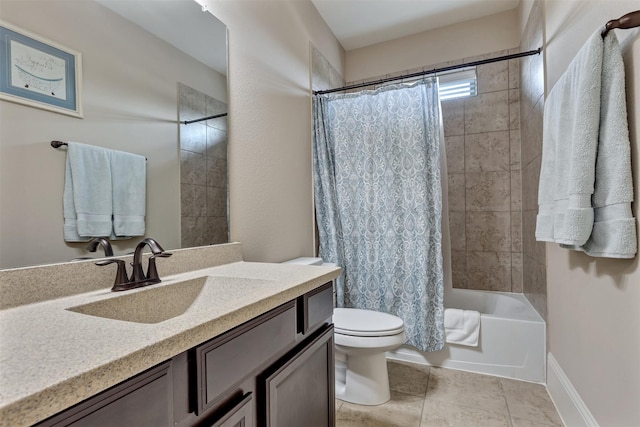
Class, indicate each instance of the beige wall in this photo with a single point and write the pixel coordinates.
(130, 103)
(593, 303)
(270, 175)
(471, 38)
(524, 10)
(270, 128)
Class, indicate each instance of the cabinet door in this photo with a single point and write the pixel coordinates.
(142, 401)
(240, 416)
(300, 392)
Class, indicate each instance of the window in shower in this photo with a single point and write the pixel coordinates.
(457, 83)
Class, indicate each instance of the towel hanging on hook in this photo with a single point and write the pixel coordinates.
(630, 20)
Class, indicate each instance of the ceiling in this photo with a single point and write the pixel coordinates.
(182, 23)
(360, 23)
(356, 23)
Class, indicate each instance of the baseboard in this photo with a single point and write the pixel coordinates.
(572, 409)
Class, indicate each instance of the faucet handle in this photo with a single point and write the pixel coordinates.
(121, 282)
(152, 271)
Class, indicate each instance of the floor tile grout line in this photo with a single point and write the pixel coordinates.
(506, 402)
(426, 383)
(424, 399)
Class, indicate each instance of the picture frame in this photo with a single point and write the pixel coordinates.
(38, 72)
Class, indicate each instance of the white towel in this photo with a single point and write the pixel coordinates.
(128, 175)
(586, 188)
(461, 326)
(87, 202)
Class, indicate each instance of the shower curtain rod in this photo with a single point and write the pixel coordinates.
(434, 71)
(186, 122)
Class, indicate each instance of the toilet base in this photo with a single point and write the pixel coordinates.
(366, 380)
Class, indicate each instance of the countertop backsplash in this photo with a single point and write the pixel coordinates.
(28, 285)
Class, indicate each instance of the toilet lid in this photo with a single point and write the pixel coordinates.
(366, 323)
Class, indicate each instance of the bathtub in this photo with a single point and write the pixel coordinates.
(512, 338)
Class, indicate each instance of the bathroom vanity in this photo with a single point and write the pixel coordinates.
(235, 344)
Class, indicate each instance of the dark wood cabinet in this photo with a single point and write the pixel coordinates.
(275, 370)
(240, 416)
(315, 307)
(300, 391)
(143, 401)
(242, 350)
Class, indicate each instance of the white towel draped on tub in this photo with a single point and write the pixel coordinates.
(104, 193)
(461, 326)
(586, 187)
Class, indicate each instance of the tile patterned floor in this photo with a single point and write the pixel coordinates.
(423, 396)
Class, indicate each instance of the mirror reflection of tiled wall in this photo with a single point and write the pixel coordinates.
(482, 135)
(531, 112)
(203, 170)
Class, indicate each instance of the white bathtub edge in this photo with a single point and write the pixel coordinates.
(568, 402)
(412, 355)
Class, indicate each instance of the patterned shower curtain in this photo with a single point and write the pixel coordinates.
(379, 202)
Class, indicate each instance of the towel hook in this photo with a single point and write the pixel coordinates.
(630, 20)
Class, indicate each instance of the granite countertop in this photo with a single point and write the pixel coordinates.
(52, 358)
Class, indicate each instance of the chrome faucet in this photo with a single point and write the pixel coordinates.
(138, 278)
(100, 241)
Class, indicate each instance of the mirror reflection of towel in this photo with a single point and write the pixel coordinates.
(128, 176)
(104, 193)
(87, 198)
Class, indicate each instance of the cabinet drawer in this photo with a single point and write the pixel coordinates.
(315, 307)
(224, 362)
(143, 401)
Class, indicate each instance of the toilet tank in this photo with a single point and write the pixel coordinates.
(313, 261)
(310, 261)
(305, 261)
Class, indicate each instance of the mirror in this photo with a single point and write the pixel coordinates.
(147, 66)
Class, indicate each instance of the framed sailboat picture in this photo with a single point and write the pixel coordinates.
(39, 73)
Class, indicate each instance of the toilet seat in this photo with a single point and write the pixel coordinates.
(366, 323)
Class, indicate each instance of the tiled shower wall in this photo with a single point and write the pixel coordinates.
(323, 75)
(482, 135)
(203, 170)
(531, 113)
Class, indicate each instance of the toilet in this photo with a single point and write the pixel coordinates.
(361, 339)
